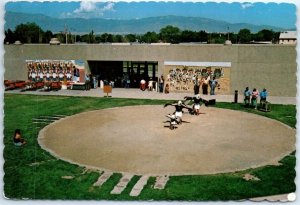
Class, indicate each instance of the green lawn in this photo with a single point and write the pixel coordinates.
(31, 172)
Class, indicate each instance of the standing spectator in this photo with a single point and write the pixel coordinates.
(213, 84)
(127, 83)
(247, 94)
(205, 82)
(161, 83)
(95, 82)
(254, 97)
(87, 82)
(150, 85)
(263, 95)
(196, 86)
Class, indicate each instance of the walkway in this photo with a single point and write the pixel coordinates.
(138, 94)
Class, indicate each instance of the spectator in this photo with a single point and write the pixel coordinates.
(196, 86)
(150, 85)
(254, 97)
(263, 95)
(167, 89)
(143, 85)
(247, 94)
(87, 82)
(205, 82)
(161, 83)
(18, 140)
(213, 84)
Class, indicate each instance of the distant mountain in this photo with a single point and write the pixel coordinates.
(137, 26)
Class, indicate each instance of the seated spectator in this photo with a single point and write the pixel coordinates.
(18, 140)
(143, 85)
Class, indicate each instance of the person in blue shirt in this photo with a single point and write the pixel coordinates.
(263, 95)
(213, 84)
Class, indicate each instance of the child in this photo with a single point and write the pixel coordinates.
(18, 140)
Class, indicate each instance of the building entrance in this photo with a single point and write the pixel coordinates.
(124, 73)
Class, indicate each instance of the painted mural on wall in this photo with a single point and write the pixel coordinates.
(184, 78)
(53, 70)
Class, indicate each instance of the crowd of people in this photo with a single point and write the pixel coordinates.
(250, 97)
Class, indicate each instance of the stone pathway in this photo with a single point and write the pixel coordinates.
(103, 178)
(138, 187)
(42, 121)
(161, 182)
(122, 184)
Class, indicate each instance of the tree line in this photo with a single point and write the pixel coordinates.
(32, 33)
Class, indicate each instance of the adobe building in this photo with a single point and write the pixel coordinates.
(236, 66)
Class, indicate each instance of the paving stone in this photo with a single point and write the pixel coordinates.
(103, 178)
(161, 182)
(138, 187)
(122, 184)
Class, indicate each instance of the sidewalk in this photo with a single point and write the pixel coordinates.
(138, 94)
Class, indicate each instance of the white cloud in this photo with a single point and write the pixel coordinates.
(246, 5)
(89, 9)
(86, 6)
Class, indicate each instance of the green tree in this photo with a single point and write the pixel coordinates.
(130, 38)
(47, 36)
(150, 37)
(170, 34)
(118, 38)
(105, 38)
(266, 35)
(203, 36)
(189, 36)
(9, 36)
(244, 35)
(91, 37)
(29, 33)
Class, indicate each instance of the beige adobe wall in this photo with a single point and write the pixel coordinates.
(270, 66)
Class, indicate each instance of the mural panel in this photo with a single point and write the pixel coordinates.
(183, 78)
(54, 70)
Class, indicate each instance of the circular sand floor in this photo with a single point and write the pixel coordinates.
(134, 139)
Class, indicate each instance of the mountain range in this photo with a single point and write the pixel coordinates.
(136, 26)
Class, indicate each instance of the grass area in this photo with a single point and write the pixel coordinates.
(31, 172)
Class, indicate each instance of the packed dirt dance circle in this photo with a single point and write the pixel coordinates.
(136, 139)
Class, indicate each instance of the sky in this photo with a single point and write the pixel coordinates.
(281, 15)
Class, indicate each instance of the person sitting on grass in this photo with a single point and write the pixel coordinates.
(18, 140)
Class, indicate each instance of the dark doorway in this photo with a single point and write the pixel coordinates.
(122, 71)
